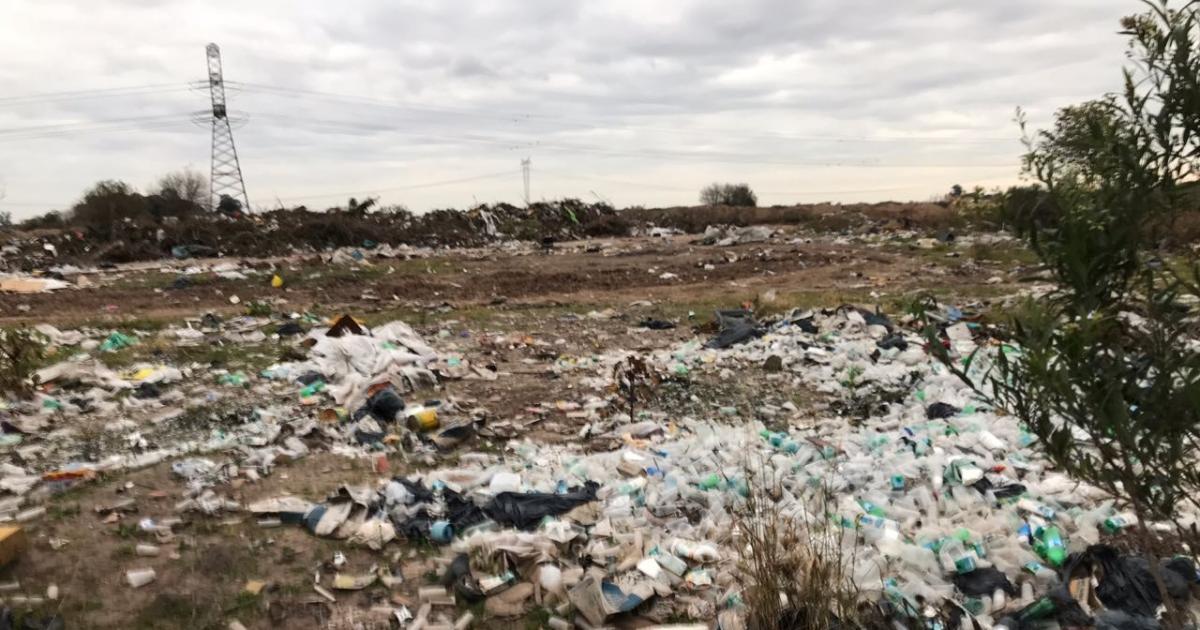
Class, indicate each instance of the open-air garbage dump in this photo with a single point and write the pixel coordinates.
(221, 410)
(459, 459)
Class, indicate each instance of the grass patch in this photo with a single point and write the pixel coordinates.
(536, 619)
(60, 511)
(796, 572)
(1002, 253)
(245, 606)
(252, 357)
(170, 610)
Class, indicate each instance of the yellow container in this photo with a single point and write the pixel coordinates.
(423, 419)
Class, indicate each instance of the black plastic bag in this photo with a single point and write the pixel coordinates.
(146, 391)
(656, 324)
(940, 411)
(983, 581)
(526, 510)
(1126, 583)
(896, 341)
(310, 377)
(1119, 620)
(1006, 491)
(289, 329)
(876, 319)
(737, 326)
(459, 576)
(385, 405)
(460, 511)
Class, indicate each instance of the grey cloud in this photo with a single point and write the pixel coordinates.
(622, 89)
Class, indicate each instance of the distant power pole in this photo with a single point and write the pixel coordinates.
(525, 165)
(225, 177)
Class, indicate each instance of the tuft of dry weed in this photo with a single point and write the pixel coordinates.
(797, 566)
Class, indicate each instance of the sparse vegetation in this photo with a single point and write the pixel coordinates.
(797, 572)
(187, 185)
(22, 351)
(737, 195)
(1097, 370)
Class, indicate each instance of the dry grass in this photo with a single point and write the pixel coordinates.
(797, 569)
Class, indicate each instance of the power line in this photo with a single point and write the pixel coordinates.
(78, 131)
(706, 156)
(617, 182)
(76, 95)
(76, 124)
(525, 116)
(445, 182)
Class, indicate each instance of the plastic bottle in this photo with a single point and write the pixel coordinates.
(236, 379)
(991, 442)
(1050, 546)
(1041, 609)
(699, 552)
(632, 486)
(1026, 592)
(773, 438)
(312, 388)
(955, 557)
(671, 563)
(871, 508)
(998, 599)
(1117, 522)
(872, 522)
(1041, 573)
(883, 533)
(1024, 533)
(1034, 507)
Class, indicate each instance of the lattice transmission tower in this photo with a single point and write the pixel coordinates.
(225, 177)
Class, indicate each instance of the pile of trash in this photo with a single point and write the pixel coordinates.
(728, 235)
(347, 396)
(286, 232)
(952, 515)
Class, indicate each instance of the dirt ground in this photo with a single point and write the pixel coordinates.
(556, 303)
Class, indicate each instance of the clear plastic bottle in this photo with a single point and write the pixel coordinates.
(956, 557)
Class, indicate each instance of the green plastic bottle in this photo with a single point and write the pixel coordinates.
(1040, 609)
(711, 482)
(1050, 546)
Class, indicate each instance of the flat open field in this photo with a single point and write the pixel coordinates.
(520, 313)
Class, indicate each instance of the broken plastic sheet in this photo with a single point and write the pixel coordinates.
(58, 337)
(356, 362)
(87, 370)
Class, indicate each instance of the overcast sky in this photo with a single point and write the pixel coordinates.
(433, 104)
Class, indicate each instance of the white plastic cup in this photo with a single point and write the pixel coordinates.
(138, 578)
